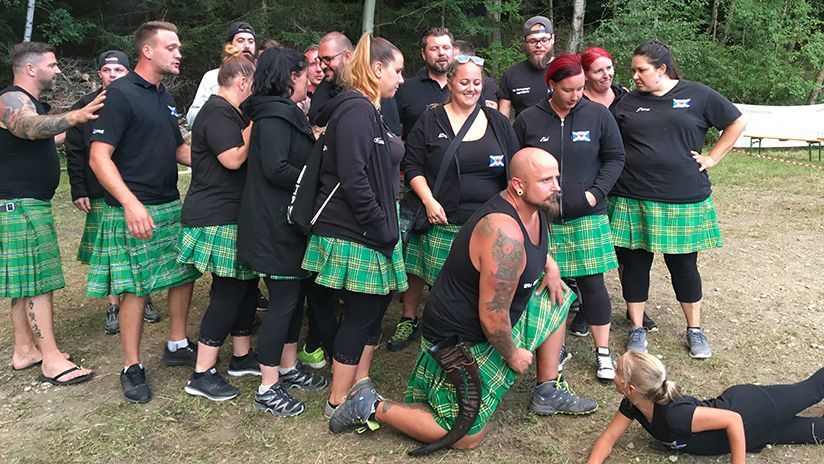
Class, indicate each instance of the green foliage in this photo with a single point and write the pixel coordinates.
(60, 27)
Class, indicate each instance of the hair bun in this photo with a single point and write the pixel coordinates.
(230, 51)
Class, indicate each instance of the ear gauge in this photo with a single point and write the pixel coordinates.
(520, 193)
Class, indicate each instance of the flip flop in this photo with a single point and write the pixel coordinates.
(34, 364)
(56, 379)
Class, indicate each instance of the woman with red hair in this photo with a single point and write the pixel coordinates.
(584, 138)
(599, 73)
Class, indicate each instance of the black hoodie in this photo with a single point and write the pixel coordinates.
(587, 145)
(360, 154)
(280, 143)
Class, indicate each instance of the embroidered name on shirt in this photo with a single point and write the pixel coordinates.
(379, 141)
(173, 111)
(98, 131)
(496, 161)
(681, 102)
(544, 139)
(641, 109)
(522, 90)
(581, 136)
(442, 136)
(532, 284)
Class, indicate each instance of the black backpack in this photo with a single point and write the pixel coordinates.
(301, 210)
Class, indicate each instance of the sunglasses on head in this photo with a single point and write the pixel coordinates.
(463, 59)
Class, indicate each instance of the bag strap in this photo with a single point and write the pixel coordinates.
(453, 147)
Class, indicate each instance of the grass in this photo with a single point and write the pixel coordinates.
(764, 300)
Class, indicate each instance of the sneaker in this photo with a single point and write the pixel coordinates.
(299, 377)
(698, 343)
(556, 397)
(315, 359)
(357, 408)
(579, 326)
(605, 367)
(150, 314)
(112, 326)
(262, 301)
(135, 385)
(278, 401)
(637, 340)
(648, 324)
(186, 356)
(406, 330)
(211, 385)
(244, 365)
(563, 358)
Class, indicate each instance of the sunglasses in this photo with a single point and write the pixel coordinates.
(328, 59)
(463, 59)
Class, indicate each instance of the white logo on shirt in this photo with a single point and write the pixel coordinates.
(442, 136)
(522, 90)
(324, 148)
(641, 109)
(98, 131)
(544, 139)
(173, 111)
(379, 141)
(532, 284)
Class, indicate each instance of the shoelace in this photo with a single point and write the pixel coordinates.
(403, 330)
(604, 362)
(696, 337)
(636, 336)
(563, 385)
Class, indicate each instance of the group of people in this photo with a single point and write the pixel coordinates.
(590, 177)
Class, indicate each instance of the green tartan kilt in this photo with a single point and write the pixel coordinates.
(29, 255)
(124, 264)
(425, 253)
(212, 249)
(672, 228)
(428, 384)
(582, 246)
(344, 264)
(84, 251)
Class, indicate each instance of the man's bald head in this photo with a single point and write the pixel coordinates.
(334, 51)
(530, 160)
(533, 177)
(337, 40)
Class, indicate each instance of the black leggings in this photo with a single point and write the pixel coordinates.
(595, 305)
(360, 325)
(686, 281)
(231, 310)
(322, 320)
(281, 324)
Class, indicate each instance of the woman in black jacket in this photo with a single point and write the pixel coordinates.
(354, 246)
(584, 138)
(477, 172)
(280, 143)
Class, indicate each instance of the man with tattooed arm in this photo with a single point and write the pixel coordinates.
(30, 267)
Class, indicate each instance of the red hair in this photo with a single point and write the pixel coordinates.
(563, 66)
(591, 54)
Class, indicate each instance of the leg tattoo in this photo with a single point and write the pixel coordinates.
(34, 327)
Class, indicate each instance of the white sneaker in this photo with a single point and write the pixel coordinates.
(605, 368)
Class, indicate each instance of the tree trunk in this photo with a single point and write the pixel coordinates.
(29, 21)
(551, 8)
(728, 23)
(714, 21)
(494, 15)
(819, 82)
(368, 16)
(578, 9)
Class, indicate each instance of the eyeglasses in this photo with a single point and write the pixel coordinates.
(328, 59)
(463, 59)
(543, 41)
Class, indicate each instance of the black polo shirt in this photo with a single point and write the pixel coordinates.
(523, 85)
(415, 95)
(140, 120)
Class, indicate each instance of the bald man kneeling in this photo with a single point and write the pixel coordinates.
(488, 311)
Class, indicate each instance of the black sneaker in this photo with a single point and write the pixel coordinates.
(579, 326)
(406, 330)
(186, 356)
(278, 401)
(150, 313)
(301, 378)
(244, 365)
(262, 301)
(135, 385)
(211, 385)
(648, 324)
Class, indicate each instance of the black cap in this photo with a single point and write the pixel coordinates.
(237, 27)
(112, 57)
(544, 22)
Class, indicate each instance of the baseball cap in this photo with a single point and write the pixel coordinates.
(545, 23)
(237, 27)
(112, 57)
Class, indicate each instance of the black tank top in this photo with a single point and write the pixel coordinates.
(453, 302)
(28, 168)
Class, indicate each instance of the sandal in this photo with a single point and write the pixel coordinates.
(56, 379)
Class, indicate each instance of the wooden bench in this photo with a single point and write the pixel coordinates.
(811, 142)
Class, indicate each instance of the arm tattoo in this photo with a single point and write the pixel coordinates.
(34, 327)
(508, 255)
(501, 340)
(19, 115)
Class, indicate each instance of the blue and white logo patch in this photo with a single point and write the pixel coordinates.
(581, 136)
(496, 161)
(173, 111)
(681, 102)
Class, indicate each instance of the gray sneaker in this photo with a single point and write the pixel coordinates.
(555, 397)
(150, 314)
(112, 326)
(637, 340)
(355, 410)
(301, 378)
(698, 343)
(278, 401)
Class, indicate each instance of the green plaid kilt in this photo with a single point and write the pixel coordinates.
(672, 228)
(428, 384)
(212, 249)
(425, 254)
(123, 264)
(582, 246)
(345, 264)
(29, 255)
(84, 251)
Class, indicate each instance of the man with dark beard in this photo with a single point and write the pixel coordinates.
(429, 86)
(489, 296)
(523, 85)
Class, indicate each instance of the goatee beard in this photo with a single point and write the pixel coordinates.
(539, 62)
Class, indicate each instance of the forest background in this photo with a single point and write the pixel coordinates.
(768, 52)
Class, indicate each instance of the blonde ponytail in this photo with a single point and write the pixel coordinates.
(358, 74)
(649, 377)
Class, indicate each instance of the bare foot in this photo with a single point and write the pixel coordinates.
(56, 369)
(30, 359)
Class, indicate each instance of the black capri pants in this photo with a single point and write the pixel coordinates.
(360, 325)
(595, 305)
(281, 324)
(232, 305)
(683, 268)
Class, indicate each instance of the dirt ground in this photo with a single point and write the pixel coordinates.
(764, 315)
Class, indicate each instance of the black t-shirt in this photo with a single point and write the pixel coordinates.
(215, 192)
(672, 423)
(523, 85)
(414, 96)
(140, 120)
(482, 172)
(658, 134)
(28, 168)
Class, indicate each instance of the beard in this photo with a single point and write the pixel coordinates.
(438, 67)
(540, 62)
(551, 206)
(47, 84)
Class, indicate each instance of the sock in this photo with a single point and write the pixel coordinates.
(333, 406)
(374, 410)
(286, 370)
(694, 329)
(197, 375)
(412, 319)
(174, 345)
(264, 388)
(602, 351)
(127, 367)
